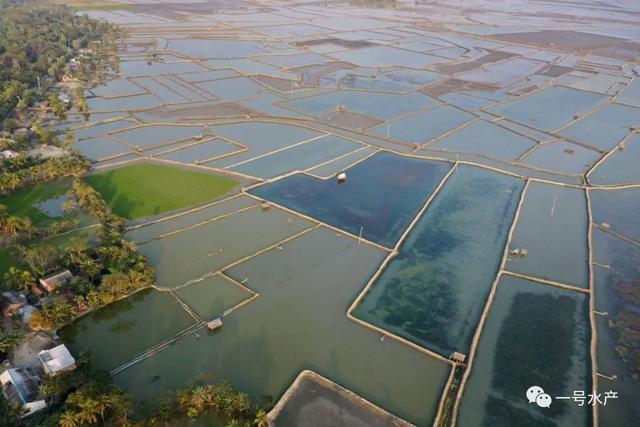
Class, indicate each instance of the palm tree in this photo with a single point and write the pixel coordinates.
(261, 420)
(68, 419)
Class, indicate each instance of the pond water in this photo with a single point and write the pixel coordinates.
(550, 108)
(561, 156)
(213, 295)
(150, 136)
(534, 335)
(380, 197)
(101, 147)
(605, 128)
(381, 105)
(616, 296)
(298, 158)
(304, 289)
(123, 329)
(196, 251)
(619, 209)
(423, 127)
(202, 152)
(553, 227)
(433, 292)
(621, 167)
(487, 139)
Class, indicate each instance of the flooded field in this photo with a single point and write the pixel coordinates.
(487, 221)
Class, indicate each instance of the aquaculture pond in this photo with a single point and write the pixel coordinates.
(191, 252)
(617, 276)
(379, 198)
(535, 335)
(126, 328)
(552, 228)
(433, 292)
(617, 210)
(304, 288)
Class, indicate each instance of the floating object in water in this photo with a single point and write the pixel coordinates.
(382, 338)
(265, 205)
(214, 324)
(515, 252)
(524, 252)
(342, 177)
(606, 225)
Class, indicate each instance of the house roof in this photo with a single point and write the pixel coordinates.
(56, 359)
(52, 281)
(19, 386)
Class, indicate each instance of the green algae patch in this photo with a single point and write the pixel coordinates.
(150, 189)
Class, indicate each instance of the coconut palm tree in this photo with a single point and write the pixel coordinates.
(68, 419)
(261, 420)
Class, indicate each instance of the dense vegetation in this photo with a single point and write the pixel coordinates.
(38, 41)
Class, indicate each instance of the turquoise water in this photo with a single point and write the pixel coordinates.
(381, 195)
(535, 335)
(433, 292)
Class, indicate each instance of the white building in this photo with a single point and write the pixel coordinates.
(20, 388)
(57, 360)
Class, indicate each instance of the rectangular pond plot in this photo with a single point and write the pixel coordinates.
(304, 290)
(503, 73)
(423, 127)
(380, 197)
(101, 147)
(234, 89)
(209, 75)
(434, 291)
(295, 60)
(154, 135)
(159, 90)
(380, 56)
(127, 103)
(380, 105)
(298, 158)
(117, 87)
(210, 297)
(102, 128)
(605, 128)
(616, 295)
(144, 68)
(562, 157)
(260, 137)
(203, 151)
(535, 335)
(249, 66)
(621, 167)
(177, 222)
(617, 210)
(630, 95)
(393, 81)
(342, 163)
(190, 254)
(550, 108)
(486, 139)
(206, 48)
(464, 101)
(552, 227)
(187, 90)
(124, 329)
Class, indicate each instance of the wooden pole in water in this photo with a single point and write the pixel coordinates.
(360, 235)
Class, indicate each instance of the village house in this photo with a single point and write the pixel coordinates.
(57, 360)
(20, 388)
(49, 284)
